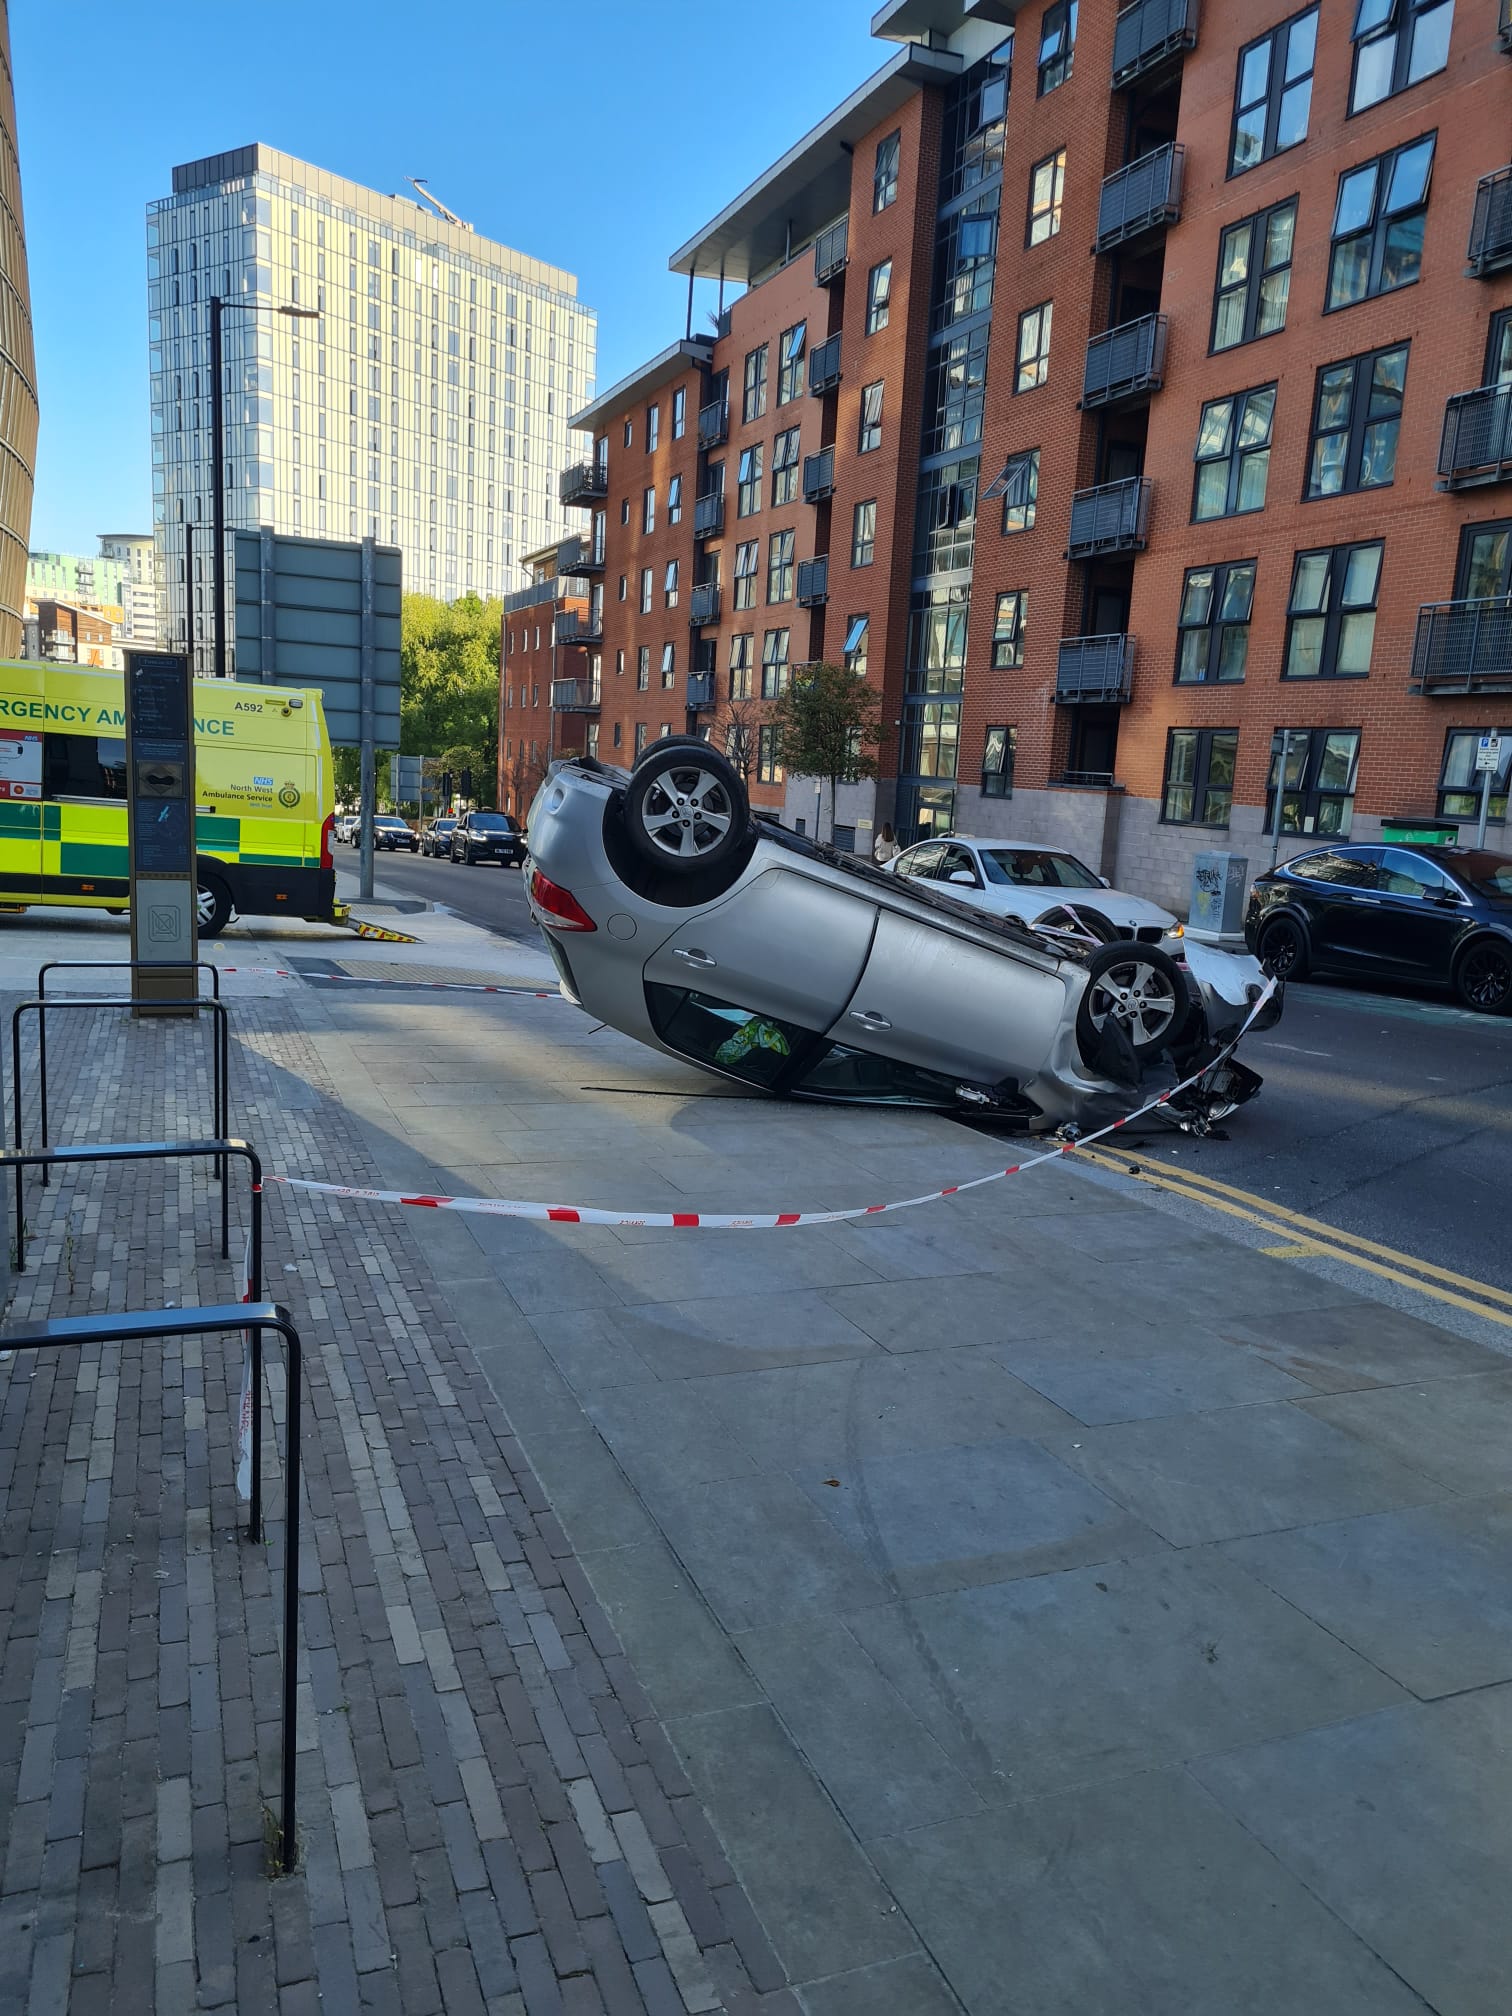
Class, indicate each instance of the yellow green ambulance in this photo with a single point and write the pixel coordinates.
(264, 788)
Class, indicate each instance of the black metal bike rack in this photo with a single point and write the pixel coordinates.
(220, 1052)
(172, 1151)
(145, 1326)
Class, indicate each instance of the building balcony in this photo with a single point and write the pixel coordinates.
(1150, 34)
(1112, 518)
(708, 515)
(831, 250)
(574, 696)
(584, 483)
(713, 423)
(1144, 197)
(1094, 669)
(1477, 443)
(701, 691)
(1491, 225)
(1125, 363)
(1464, 647)
(824, 366)
(818, 476)
(703, 603)
(580, 626)
(813, 582)
(577, 556)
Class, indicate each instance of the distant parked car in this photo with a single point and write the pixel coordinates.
(345, 828)
(1441, 916)
(436, 838)
(1042, 887)
(488, 836)
(392, 833)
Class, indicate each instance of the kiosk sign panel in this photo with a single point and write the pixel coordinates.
(160, 806)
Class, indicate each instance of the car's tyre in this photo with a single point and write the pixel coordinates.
(1137, 988)
(213, 902)
(1281, 948)
(1483, 976)
(686, 809)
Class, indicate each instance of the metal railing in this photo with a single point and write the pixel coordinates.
(1094, 668)
(824, 365)
(1464, 647)
(1087, 780)
(1477, 441)
(578, 556)
(1491, 223)
(703, 602)
(713, 423)
(813, 582)
(701, 689)
(583, 483)
(818, 476)
(1145, 196)
(1112, 518)
(576, 626)
(1126, 362)
(708, 515)
(575, 696)
(831, 249)
(1148, 34)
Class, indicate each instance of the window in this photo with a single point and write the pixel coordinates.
(878, 296)
(945, 518)
(746, 567)
(653, 427)
(629, 432)
(618, 736)
(624, 587)
(1008, 630)
(1485, 562)
(1459, 781)
(648, 508)
(885, 173)
(755, 383)
(1274, 94)
(1378, 224)
(1355, 423)
(669, 585)
(1033, 347)
(1233, 454)
(1254, 276)
(1214, 624)
(1333, 612)
(1057, 44)
(83, 766)
(645, 591)
(857, 631)
(619, 664)
(679, 413)
(624, 510)
(966, 262)
(955, 391)
(674, 501)
(669, 664)
(768, 769)
(642, 667)
(780, 567)
(1199, 779)
(774, 663)
(871, 418)
(931, 738)
(1047, 188)
(748, 492)
(997, 762)
(864, 534)
(1020, 481)
(640, 739)
(785, 468)
(1397, 43)
(790, 363)
(1322, 765)
(741, 648)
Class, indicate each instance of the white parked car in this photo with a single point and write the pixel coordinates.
(1042, 887)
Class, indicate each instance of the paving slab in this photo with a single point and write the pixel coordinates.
(1456, 1431)
(1340, 1345)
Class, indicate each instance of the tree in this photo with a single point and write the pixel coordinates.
(449, 683)
(742, 722)
(828, 722)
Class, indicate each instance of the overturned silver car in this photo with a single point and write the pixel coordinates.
(677, 918)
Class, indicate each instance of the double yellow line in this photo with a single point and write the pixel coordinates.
(1305, 1237)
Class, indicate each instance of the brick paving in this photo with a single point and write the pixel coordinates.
(491, 1818)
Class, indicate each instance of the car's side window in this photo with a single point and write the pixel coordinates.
(1404, 874)
(956, 859)
(741, 1041)
(843, 1073)
(921, 861)
(1354, 871)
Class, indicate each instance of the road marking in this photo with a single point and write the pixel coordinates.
(1297, 1050)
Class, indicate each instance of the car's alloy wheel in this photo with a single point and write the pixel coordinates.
(1483, 977)
(1282, 949)
(687, 812)
(1139, 996)
(212, 903)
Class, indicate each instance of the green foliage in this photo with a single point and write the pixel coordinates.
(828, 723)
(449, 685)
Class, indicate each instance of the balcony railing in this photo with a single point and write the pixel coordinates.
(1148, 34)
(577, 556)
(580, 627)
(1464, 647)
(1504, 25)
(575, 696)
(1113, 518)
(824, 365)
(1125, 363)
(703, 603)
(713, 423)
(818, 476)
(701, 691)
(1145, 196)
(1094, 668)
(708, 515)
(1491, 225)
(813, 582)
(831, 249)
(1477, 443)
(584, 483)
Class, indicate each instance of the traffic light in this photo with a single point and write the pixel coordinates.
(446, 783)
(467, 785)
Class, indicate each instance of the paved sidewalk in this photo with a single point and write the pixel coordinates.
(1055, 1606)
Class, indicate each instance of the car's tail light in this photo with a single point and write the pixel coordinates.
(328, 824)
(560, 905)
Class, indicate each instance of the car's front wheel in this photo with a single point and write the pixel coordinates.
(1137, 989)
(1483, 976)
(686, 809)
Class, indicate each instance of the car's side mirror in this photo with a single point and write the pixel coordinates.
(1103, 882)
(964, 876)
(1450, 898)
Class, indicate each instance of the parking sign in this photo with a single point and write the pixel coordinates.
(1488, 754)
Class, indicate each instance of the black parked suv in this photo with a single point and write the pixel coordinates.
(488, 836)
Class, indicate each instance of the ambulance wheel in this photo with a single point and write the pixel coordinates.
(213, 902)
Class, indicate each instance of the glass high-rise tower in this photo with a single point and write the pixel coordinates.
(421, 397)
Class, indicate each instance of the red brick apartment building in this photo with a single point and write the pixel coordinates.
(548, 678)
(1128, 395)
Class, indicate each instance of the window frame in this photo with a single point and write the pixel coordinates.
(1277, 85)
(1481, 528)
(748, 480)
(754, 385)
(1060, 20)
(746, 550)
(742, 663)
(653, 428)
(1011, 604)
(1049, 209)
(785, 466)
(869, 424)
(668, 664)
(1253, 284)
(857, 643)
(1470, 789)
(997, 779)
(1236, 456)
(1203, 742)
(674, 499)
(643, 668)
(670, 585)
(1335, 611)
(776, 665)
(1359, 422)
(1042, 317)
(768, 768)
(792, 370)
(864, 547)
(1216, 626)
(879, 298)
(1310, 791)
(647, 589)
(648, 508)
(1377, 230)
(679, 412)
(781, 566)
(1028, 505)
(1401, 21)
(885, 166)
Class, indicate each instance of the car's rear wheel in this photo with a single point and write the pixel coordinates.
(1282, 949)
(1137, 989)
(1483, 976)
(212, 901)
(686, 809)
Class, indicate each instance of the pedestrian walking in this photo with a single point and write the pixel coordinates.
(886, 848)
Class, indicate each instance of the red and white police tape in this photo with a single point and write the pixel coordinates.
(712, 1221)
(368, 980)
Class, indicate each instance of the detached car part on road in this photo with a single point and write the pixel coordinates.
(767, 959)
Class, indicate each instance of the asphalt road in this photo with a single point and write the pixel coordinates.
(487, 895)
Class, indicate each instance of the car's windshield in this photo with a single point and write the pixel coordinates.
(1489, 875)
(445, 825)
(1036, 868)
(389, 822)
(490, 822)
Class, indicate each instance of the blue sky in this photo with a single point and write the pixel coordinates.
(598, 134)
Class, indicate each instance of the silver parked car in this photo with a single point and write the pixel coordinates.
(675, 917)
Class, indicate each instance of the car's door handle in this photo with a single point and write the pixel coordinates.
(1373, 901)
(693, 957)
(869, 1018)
